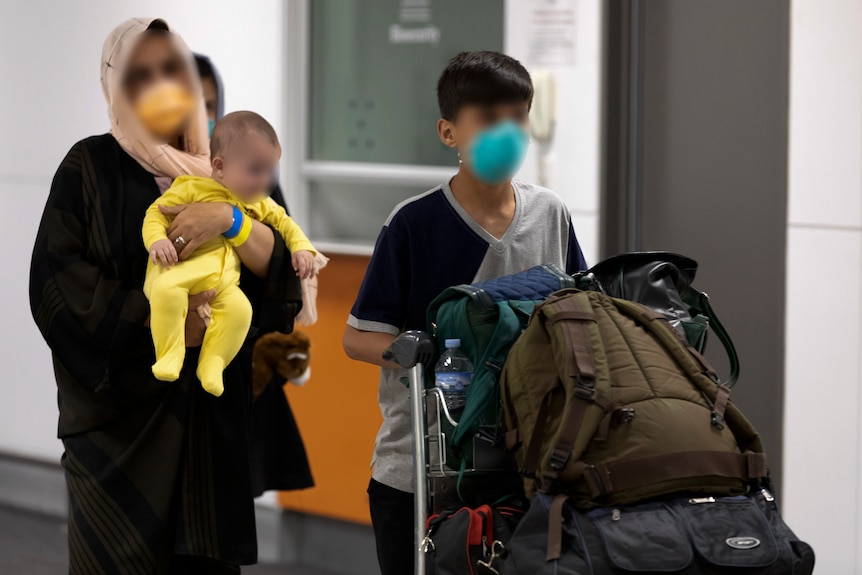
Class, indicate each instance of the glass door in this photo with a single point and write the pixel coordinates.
(371, 106)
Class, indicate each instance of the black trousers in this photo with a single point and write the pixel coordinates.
(392, 519)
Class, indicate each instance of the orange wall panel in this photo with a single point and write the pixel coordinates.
(337, 410)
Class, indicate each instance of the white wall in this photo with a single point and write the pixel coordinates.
(577, 141)
(50, 97)
(823, 403)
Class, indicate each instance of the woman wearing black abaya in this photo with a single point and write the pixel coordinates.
(158, 473)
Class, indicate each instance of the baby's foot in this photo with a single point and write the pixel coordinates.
(167, 369)
(210, 372)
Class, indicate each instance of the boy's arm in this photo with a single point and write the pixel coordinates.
(274, 215)
(367, 346)
(380, 310)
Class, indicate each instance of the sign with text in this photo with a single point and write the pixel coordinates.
(552, 32)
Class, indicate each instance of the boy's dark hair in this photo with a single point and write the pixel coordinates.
(483, 78)
(234, 126)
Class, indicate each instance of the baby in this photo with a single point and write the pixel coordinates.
(245, 153)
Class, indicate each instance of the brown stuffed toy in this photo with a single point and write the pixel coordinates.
(289, 356)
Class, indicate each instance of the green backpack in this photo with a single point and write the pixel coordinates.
(487, 317)
(606, 401)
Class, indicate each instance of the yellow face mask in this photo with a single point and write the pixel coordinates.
(164, 108)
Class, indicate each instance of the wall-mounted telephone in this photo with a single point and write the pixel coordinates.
(543, 121)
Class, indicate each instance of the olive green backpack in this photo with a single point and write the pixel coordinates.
(604, 400)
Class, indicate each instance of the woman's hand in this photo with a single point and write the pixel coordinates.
(196, 224)
(198, 317)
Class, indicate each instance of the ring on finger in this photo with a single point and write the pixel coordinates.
(180, 240)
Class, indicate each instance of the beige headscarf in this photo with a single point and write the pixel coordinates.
(157, 158)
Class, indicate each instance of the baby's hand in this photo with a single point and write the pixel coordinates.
(163, 252)
(303, 264)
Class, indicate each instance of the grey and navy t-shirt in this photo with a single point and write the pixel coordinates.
(428, 244)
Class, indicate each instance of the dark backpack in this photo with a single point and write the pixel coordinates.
(688, 536)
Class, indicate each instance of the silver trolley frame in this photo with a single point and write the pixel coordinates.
(414, 350)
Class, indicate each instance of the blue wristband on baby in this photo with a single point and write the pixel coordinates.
(235, 228)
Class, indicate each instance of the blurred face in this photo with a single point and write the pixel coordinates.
(210, 97)
(154, 59)
(491, 140)
(472, 119)
(247, 166)
(158, 84)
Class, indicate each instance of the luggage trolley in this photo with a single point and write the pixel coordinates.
(436, 483)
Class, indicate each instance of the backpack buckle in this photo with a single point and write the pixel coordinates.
(559, 458)
(584, 391)
(622, 415)
(527, 473)
(495, 367)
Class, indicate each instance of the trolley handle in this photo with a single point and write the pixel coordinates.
(410, 348)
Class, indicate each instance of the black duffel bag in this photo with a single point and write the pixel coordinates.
(662, 282)
(468, 540)
(727, 535)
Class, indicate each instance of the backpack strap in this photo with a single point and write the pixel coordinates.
(555, 528)
(722, 394)
(616, 476)
(719, 406)
(533, 453)
(574, 315)
(724, 411)
(649, 471)
(476, 293)
(700, 301)
(645, 315)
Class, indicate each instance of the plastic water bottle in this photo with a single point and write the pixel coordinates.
(454, 372)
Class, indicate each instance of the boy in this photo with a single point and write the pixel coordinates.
(245, 153)
(479, 225)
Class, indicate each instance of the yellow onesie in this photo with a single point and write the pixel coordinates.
(216, 265)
